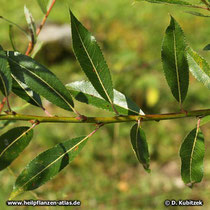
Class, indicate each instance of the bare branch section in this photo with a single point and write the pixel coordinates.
(106, 120)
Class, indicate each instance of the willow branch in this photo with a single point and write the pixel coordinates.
(31, 43)
(106, 120)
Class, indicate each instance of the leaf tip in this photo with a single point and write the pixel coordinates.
(71, 13)
(147, 169)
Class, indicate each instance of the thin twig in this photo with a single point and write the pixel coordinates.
(98, 126)
(31, 44)
(8, 104)
(2, 104)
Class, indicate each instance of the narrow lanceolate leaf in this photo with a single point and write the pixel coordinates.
(11, 37)
(40, 79)
(47, 164)
(192, 154)
(198, 67)
(174, 61)
(16, 25)
(178, 2)
(31, 24)
(197, 14)
(5, 74)
(24, 92)
(12, 143)
(44, 5)
(91, 59)
(140, 147)
(84, 92)
(207, 47)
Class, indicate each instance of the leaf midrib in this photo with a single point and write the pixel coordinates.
(24, 133)
(137, 151)
(110, 101)
(26, 91)
(22, 187)
(176, 67)
(43, 82)
(191, 155)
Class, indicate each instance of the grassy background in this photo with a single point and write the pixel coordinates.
(106, 174)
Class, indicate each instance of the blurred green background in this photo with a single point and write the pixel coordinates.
(106, 174)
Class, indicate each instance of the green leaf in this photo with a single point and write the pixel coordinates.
(5, 74)
(12, 143)
(207, 47)
(16, 25)
(91, 59)
(84, 92)
(47, 164)
(140, 146)
(40, 79)
(44, 4)
(178, 2)
(24, 92)
(197, 14)
(31, 24)
(11, 37)
(198, 67)
(205, 120)
(174, 61)
(192, 154)
(37, 48)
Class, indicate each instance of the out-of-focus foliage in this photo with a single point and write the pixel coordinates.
(130, 36)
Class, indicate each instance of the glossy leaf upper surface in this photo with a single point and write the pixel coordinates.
(84, 92)
(47, 164)
(12, 143)
(140, 146)
(5, 74)
(174, 61)
(192, 153)
(91, 59)
(199, 67)
(40, 79)
(24, 92)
